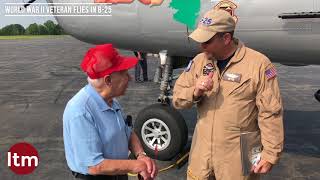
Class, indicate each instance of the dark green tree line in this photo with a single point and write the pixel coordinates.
(48, 28)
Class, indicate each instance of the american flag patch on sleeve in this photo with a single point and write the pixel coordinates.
(271, 72)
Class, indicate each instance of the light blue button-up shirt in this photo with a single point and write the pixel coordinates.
(93, 131)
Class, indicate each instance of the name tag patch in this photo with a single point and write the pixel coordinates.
(233, 77)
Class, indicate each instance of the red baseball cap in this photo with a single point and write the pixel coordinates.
(103, 60)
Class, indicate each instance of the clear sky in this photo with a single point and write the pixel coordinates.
(24, 21)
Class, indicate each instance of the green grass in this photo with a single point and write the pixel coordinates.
(25, 37)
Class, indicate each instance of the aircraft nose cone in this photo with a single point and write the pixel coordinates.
(317, 95)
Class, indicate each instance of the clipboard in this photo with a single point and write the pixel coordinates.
(250, 149)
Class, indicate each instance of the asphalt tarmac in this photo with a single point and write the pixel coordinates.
(38, 77)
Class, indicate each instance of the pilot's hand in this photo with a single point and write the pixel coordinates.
(262, 167)
(151, 165)
(203, 84)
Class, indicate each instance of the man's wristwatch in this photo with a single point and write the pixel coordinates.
(141, 153)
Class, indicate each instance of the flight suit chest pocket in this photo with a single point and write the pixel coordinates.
(241, 87)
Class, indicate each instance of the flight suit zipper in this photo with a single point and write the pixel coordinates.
(213, 147)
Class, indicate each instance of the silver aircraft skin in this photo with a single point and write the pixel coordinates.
(136, 26)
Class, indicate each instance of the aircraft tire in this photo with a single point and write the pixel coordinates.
(165, 123)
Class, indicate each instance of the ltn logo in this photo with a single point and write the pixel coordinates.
(23, 158)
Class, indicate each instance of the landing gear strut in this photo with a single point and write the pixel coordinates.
(165, 85)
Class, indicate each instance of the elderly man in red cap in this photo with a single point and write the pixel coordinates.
(96, 137)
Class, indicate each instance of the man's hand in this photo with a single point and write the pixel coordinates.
(141, 168)
(151, 165)
(203, 84)
(262, 167)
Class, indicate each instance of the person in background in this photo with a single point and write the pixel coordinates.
(141, 65)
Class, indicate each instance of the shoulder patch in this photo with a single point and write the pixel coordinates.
(207, 69)
(189, 66)
(271, 72)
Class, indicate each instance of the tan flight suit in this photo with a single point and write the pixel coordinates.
(242, 104)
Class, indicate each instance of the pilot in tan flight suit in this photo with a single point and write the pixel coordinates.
(236, 92)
